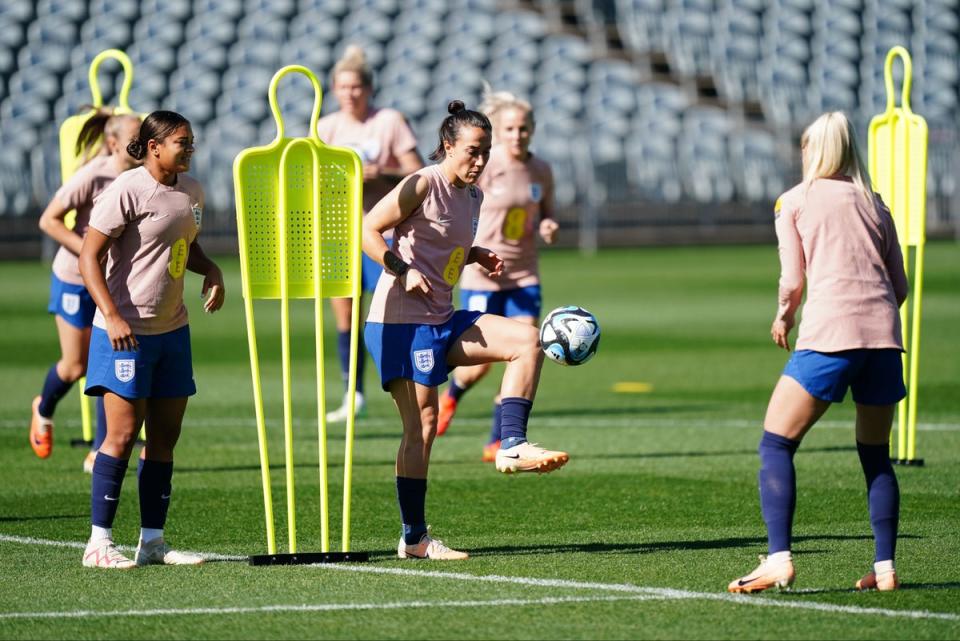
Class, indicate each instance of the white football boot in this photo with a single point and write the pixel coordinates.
(102, 553)
(157, 552)
(529, 457)
(429, 548)
(340, 414)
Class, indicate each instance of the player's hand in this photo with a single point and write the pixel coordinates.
(213, 290)
(415, 282)
(548, 230)
(371, 171)
(120, 334)
(780, 332)
(488, 260)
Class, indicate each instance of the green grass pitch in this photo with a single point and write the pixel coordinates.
(636, 538)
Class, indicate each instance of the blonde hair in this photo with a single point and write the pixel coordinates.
(829, 148)
(353, 60)
(496, 102)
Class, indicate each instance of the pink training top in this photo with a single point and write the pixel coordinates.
(436, 240)
(381, 138)
(152, 226)
(78, 193)
(848, 250)
(513, 192)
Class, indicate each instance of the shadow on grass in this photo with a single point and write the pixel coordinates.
(950, 585)
(44, 517)
(665, 546)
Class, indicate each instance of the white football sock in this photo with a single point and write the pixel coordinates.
(98, 533)
(148, 534)
(881, 567)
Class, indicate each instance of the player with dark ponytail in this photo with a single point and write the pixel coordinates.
(415, 335)
(145, 225)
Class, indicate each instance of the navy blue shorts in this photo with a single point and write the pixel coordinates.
(875, 376)
(414, 351)
(512, 303)
(162, 367)
(72, 303)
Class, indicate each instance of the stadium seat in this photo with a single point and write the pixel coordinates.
(116, 11)
(158, 31)
(279, 8)
(71, 10)
(321, 27)
(172, 10)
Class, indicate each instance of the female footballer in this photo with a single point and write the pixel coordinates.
(145, 225)
(388, 151)
(69, 300)
(518, 199)
(838, 237)
(416, 337)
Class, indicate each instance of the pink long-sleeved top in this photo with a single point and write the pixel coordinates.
(846, 249)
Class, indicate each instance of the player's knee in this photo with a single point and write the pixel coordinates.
(71, 371)
(528, 345)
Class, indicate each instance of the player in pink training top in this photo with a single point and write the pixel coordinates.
(415, 335)
(69, 299)
(838, 236)
(388, 151)
(145, 225)
(517, 205)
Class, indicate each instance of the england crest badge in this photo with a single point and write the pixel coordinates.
(423, 359)
(536, 192)
(70, 303)
(125, 369)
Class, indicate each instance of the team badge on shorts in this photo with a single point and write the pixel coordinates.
(197, 214)
(423, 359)
(536, 192)
(125, 369)
(70, 303)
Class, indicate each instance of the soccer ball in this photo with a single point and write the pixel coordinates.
(570, 335)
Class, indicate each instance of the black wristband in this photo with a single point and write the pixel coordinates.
(395, 264)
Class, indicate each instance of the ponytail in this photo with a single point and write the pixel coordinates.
(450, 128)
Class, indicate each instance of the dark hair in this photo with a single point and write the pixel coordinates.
(157, 126)
(92, 130)
(459, 118)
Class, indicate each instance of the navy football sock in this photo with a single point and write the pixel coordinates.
(514, 415)
(108, 473)
(155, 487)
(495, 425)
(455, 391)
(883, 496)
(778, 489)
(54, 388)
(412, 497)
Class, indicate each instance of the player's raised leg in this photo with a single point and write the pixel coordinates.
(492, 339)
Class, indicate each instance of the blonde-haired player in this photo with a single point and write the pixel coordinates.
(517, 206)
(837, 237)
(70, 301)
(388, 151)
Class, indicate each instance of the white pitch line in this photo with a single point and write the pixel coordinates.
(324, 607)
(28, 540)
(640, 592)
(662, 593)
(571, 420)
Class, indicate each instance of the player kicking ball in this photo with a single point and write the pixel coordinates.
(416, 337)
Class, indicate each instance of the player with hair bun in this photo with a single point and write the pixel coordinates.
(69, 300)
(145, 225)
(415, 335)
(838, 238)
(388, 151)
(518, 204)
